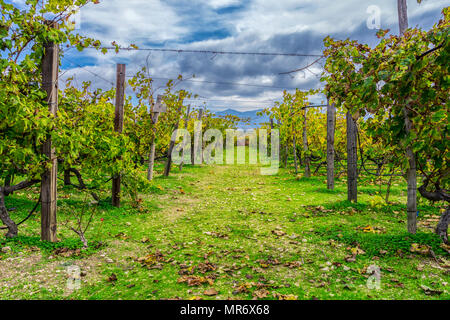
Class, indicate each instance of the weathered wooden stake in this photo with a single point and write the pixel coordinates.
(411, 174)
(172, 145)
(331, 129)
(352, 159)
(50, 67)
(118, 126)
(185, 127)
(196, 149)
(156, 110)
(306, 147)
(294, 146)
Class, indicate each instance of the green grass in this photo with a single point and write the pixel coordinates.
(279, 236)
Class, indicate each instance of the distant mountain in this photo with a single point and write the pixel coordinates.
(255, 120)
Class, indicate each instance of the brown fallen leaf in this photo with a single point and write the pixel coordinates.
(211, 292)
(152, 260)
(112, 278)
(261, 294)
(446, 247)
(243, 288)
(421, 249)
(285, 296)
(279, 233)
(195, 280)
(206, 267)
(217, 235)
(294, 264)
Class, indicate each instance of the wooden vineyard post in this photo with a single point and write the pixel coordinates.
(286, 153)
(306, 146)
(118, 126)
(196, 149)
(50, 66)
(411, 174)
(157, 109)
(352, 159)
(172, 145)
(272, 126)
(294, 147)
(331, 129)
(286, 147)
(402, 16)
(185, 127)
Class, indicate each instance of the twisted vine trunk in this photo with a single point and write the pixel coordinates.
(67, 181)
(438, 194)
(442, 227)
(13, 230)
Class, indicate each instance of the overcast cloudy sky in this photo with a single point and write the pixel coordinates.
(284, 26)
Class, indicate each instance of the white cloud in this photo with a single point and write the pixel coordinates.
(131, 21)
(217, 4)
(260, 25)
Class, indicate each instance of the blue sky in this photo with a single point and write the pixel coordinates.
(285, 26)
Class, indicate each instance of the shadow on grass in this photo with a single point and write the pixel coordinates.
(372, 243)
(345, 205)
(18, 243)
(327, 191)
(19, 204)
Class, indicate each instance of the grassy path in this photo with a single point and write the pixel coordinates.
(228, 232)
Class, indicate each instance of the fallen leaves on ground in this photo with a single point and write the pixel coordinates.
(267, 263)
(293, 264)
(217, 235)
(371, 229)
(211, 292)
(243, 288)
(206, 267)
(112, 278)
(354, 252)
(193, 281)
(66, 252)
(153, 260)
(285, 296)
(421, 249)
(261, 294)
(446, 247)
(279, 233)
(122, 236)
(429, 291)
